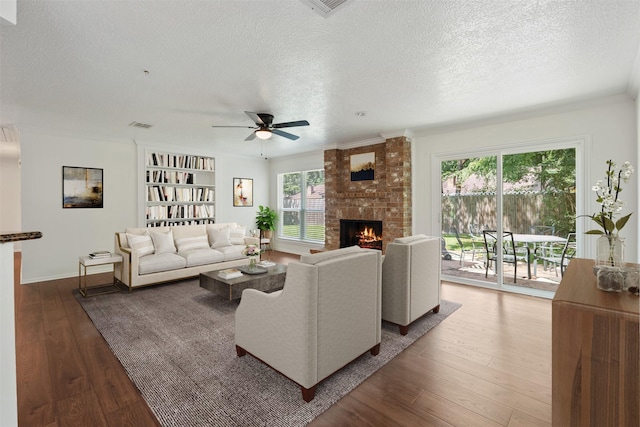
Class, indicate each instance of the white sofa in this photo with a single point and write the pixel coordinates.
(410, 279)
(327, 315)
(163, 254)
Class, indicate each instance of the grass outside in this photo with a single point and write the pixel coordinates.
(452, 242)
(314, 232)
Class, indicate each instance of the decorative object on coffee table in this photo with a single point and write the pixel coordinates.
(252, 252)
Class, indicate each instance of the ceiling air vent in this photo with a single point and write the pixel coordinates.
(324, 7)
(139, 125)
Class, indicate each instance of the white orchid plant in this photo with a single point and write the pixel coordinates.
(608, 195)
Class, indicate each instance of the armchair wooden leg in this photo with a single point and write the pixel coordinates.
(404, 330)
(308, 393)
(240, 351)
(436, 309)
(375, 350)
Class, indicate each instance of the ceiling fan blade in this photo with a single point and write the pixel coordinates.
(255, 117)
(251, 137)
(285, 134)
(291, 124)
(244, 127)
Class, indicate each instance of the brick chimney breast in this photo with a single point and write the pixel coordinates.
(386, 198)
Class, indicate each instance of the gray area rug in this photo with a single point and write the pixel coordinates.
(176, 343)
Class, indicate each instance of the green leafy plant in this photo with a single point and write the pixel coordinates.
(607, 194)
(266, 218)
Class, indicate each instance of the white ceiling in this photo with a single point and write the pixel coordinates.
(78, 66)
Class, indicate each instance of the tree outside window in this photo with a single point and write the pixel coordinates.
(302, 203)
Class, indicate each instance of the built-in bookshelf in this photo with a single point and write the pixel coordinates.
(179, 189)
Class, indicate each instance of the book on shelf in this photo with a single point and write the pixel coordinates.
(230, 273)
(100, 254)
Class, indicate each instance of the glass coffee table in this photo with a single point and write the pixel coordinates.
(231, 289)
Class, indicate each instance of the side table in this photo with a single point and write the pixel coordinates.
(87, 261)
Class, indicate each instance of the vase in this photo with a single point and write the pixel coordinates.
(610, 251)
(252, 263)
(609, 264)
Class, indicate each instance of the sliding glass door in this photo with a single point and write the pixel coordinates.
(468, 207)
(508, 218)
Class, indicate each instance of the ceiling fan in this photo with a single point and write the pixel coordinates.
(265, 127)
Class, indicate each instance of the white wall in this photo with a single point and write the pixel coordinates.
(302, 162)
(610, 124)
(69, 233)
(10, 183)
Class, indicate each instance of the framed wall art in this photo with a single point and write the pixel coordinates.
(81, 187)
(242, 192)
(363, 166)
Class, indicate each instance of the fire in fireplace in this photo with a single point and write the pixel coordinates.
(364, 233)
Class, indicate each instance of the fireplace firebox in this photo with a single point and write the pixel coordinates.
(364, 233)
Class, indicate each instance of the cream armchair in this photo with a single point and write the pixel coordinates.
(410, 279)
(327, 315)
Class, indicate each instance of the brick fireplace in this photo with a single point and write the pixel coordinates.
(386, 198)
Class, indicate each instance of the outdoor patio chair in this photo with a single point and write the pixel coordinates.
(558, 254)
(511, 254)
(547, 230)
(463, 251)
(546, 249)
(475, 232)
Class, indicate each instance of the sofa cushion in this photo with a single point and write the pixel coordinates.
(237, 235)
(221, 225)
(314, 259)
(191, 243)
(202, 256)
(140, 243)
(160, 262)
(163, 241)
(232, 252)
(182, 231)
(218, 238)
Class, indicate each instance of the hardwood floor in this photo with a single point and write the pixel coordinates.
(488, 364)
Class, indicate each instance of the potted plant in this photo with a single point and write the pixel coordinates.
(266, 220)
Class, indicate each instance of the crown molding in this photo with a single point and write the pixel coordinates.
(355, 144)
(408, 133)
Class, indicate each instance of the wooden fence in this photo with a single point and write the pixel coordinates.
(520, 211)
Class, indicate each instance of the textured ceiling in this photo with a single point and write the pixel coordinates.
(78, 66)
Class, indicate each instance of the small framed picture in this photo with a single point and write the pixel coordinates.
(81, 187)
(363, 166)
(242, 192)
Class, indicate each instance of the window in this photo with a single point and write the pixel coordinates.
(301, 196)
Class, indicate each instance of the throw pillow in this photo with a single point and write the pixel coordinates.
(219, 238)
(237, 235)
(191, 243)
(140, 243)
(163, 241)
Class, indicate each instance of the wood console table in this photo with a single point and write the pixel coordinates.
(596, 352)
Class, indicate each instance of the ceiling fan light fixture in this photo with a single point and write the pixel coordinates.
(263, 133)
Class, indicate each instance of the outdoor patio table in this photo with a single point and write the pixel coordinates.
(532, 240)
